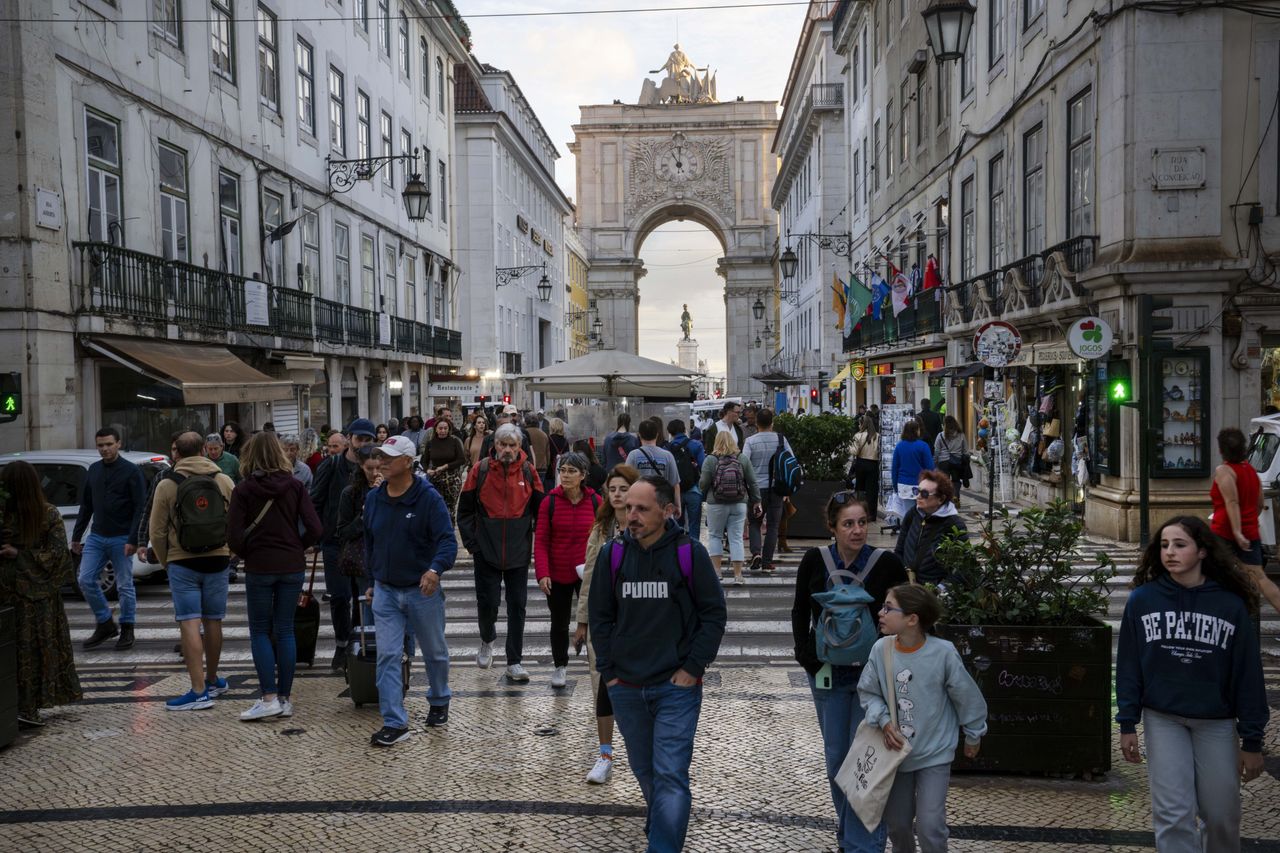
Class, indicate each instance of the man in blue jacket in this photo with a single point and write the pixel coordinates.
(683, 447)
(656, 622)
(409, 543)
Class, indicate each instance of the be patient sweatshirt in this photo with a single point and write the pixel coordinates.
(1190, 653)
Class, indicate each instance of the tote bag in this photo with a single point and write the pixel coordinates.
(866, 776)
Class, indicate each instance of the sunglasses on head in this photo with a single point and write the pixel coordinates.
(844, 497)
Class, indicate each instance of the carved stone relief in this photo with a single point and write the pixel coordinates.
(680, 167)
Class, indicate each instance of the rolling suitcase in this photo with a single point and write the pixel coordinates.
(306, 620)
(362, 663)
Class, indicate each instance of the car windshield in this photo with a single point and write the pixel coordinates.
(1263, 452)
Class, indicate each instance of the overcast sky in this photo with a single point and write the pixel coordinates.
(562, 62)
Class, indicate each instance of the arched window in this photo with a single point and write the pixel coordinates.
(425, 60)
(404, 46)
(439, 84)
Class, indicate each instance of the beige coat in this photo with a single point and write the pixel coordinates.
(164, 535)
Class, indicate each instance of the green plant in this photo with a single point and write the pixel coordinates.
(821, 443)
(1022, 571)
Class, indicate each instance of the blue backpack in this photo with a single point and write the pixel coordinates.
(846, 629)
(785, 475)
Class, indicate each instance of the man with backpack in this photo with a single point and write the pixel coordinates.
(689, 454)
(763, 450)
(189, 536)
(496, 515)
(657, 615)
(653, 461)
(618, 444)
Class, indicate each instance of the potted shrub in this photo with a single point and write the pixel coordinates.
(821, 444)
(1024, 615)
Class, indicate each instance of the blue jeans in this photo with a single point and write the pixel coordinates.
(658, 724)
(198, 595)
(338, 586)
(725, 518)
(396, 608)
(691, 512)
(839, 713)
(98, 551)
(272, 602)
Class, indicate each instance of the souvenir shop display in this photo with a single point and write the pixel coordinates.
(892, 419)
(1182, 444)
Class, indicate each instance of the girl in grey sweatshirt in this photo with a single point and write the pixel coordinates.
(936, 700)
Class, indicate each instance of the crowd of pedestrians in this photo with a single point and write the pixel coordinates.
(613, 534)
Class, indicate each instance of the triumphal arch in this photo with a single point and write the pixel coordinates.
(678, 154)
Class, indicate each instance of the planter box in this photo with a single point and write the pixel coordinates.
(810, 520)
(1048, 692)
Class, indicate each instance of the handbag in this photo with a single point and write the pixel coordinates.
(306, 619)
(866, 776)
(966, 467)
(351, 558)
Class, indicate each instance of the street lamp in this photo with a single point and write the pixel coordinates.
(345, 174)
(789, 263)
(757, 310)
(506, 275)
(544, 288)
(948, 23)
(417, 198)
(839, 244)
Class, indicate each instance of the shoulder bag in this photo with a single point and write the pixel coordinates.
(867, 774)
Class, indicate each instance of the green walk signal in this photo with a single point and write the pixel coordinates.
(1120, 391)
(10, 397)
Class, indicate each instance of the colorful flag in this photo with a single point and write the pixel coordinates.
(932, 278)
(901, 293)
(838, 300)
(879, 294)
(858, 297)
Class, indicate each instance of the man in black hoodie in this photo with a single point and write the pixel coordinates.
(657, 616)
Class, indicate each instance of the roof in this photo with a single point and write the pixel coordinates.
(468, 97)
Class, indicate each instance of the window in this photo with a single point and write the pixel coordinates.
(968, 230)
(388, 174)
(404, 45)
(867, 164)
(875, 147)
(229, 220)
(273, 218)
(444, 193)
(439, 84)
(167, 20)
(944, 92)
(968, 68)
(1031, 10)
(342, 263)
(857, 181)
(426, 171)
(310, 251)
(438, 296)
(922, 107)
(221, 32)
(875, 36)
(995, 212)
(864, 57)
(337, 112)
(368, 277)
(173, 204)
(853, 71)
(905, 128)
(306, 89)
(389, 288)
(424, 62)
(406, 147)
(1033, 190)
(889, 139)
(363, 129)
(102, 150)
(268, 61)
(411, 287)
(1080, 165)
(362, 14)
(384, 26)
(995, 32)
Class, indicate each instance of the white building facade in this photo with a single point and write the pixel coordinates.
(188, 253)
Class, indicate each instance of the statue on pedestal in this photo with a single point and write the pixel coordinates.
(686, 322)
(684, 83)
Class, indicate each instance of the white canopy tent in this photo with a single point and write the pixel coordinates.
(612, 373)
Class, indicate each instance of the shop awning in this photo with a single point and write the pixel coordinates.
(204, 374)
(839, 377)
(961, 371)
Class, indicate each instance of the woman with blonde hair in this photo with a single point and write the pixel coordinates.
(729, 486)
(610, 522)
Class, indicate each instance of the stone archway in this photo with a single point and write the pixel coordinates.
(686, 159)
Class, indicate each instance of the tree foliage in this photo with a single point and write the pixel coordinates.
(821, 443)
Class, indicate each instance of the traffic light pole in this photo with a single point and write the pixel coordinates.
(1148, 325)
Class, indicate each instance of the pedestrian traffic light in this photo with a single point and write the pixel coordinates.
(1149, 323)
(506, 399)
(813, 394)
(482, 398)
(10, 396)
(1120, 388)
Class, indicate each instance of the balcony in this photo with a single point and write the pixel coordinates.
(129, 285)
(1023, 288)
(921, 317)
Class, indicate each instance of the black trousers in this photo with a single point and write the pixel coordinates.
(489, 583)
(866, 480)
(561, 603)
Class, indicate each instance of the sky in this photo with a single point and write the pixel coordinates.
(562, 62)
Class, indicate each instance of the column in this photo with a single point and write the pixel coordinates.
(746, 280)
(614, 285)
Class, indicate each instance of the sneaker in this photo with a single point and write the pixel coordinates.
(216, 688)
(189, 701)
(559, 677)
(600, 772)
(518, 674)
(262, 709)
(126, 637)
(387, 736)
(437, 715)
(770, 568)
(739, 581)
(105, 631)
(484, 657)
(286, 708)
(755, 563)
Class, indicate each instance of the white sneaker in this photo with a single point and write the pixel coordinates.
(262, 709)
(484, 657)
(517, 673)
(558, 678)
(600, 772)
(286, 708)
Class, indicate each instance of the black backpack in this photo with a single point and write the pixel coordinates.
(200, 513)
(685, 466)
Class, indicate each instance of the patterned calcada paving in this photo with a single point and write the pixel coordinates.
(118, 772)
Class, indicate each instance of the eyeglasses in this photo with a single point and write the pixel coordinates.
(888, 609)
(925, 493)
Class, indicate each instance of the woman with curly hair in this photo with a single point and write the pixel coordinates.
(1190, 667)
(446, 463)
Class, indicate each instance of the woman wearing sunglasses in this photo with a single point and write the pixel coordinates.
(929, 522)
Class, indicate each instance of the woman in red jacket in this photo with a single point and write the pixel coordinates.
(565, 518)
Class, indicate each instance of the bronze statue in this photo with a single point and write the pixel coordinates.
(686, 322)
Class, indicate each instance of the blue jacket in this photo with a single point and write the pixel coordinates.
(113, 495)
(909, 459)
(1190, 653)
(406, 537)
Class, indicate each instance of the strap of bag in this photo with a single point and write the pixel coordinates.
(311, 583)
(891, 699)
(833, 572)
(265, 509)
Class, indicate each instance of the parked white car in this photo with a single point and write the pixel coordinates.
(62, 474)
(1264, 456)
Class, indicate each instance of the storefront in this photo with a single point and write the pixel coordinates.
(1048, 388)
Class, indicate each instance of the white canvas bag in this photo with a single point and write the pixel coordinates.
(866, 776)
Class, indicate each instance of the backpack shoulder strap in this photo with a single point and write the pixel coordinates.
(551, 507)
(616, 552)
(595, 504)
(829, 561)
(684, 556)
(871, 564)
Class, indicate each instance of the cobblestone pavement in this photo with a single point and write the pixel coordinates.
(117, 772)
